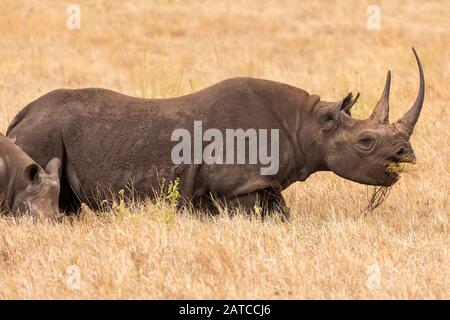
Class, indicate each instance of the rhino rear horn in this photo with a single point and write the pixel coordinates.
(381, 112)
(407, 122)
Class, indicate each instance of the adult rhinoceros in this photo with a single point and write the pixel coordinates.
(108, 141)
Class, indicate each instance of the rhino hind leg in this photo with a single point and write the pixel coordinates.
(69, 202)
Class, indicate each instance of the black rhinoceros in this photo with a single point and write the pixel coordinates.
(107, 141)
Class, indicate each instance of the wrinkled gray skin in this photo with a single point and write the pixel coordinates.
(25, 188)
(108, 141)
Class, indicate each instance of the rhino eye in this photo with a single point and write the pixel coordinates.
(366, 143)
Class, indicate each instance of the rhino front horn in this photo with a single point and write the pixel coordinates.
(381, 111)
(407, 122)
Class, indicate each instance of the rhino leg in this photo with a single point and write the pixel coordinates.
(267, 202)
(264, 202)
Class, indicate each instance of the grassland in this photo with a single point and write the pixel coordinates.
(329, 249)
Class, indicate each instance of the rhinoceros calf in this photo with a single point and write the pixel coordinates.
(24, 187)
(108, 141)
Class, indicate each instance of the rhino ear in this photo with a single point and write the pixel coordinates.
(330, 115)
(31, 173)
(348, 102)
(333, 113)
(54, 167)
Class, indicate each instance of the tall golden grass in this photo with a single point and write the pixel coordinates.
(329, 249)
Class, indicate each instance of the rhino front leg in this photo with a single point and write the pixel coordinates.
(262, 202)
(267, 202)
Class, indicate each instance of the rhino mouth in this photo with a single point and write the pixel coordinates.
(393, 169)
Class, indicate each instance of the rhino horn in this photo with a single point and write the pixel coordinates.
(381, 112)
(407, 122)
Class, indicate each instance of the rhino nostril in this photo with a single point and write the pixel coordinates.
(401, 151)
(398, 155)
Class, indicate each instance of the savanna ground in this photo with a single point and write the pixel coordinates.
(329, 249)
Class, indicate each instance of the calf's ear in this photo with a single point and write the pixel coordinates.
(54, 167)
(31, 173)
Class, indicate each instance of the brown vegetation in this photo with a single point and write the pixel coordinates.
(329, 249)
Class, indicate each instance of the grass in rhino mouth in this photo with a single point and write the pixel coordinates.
(380, 194)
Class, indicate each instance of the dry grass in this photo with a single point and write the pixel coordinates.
(164, 48)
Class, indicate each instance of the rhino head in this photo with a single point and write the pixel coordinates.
(364, 150)
(37, 190)
(25, 187)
